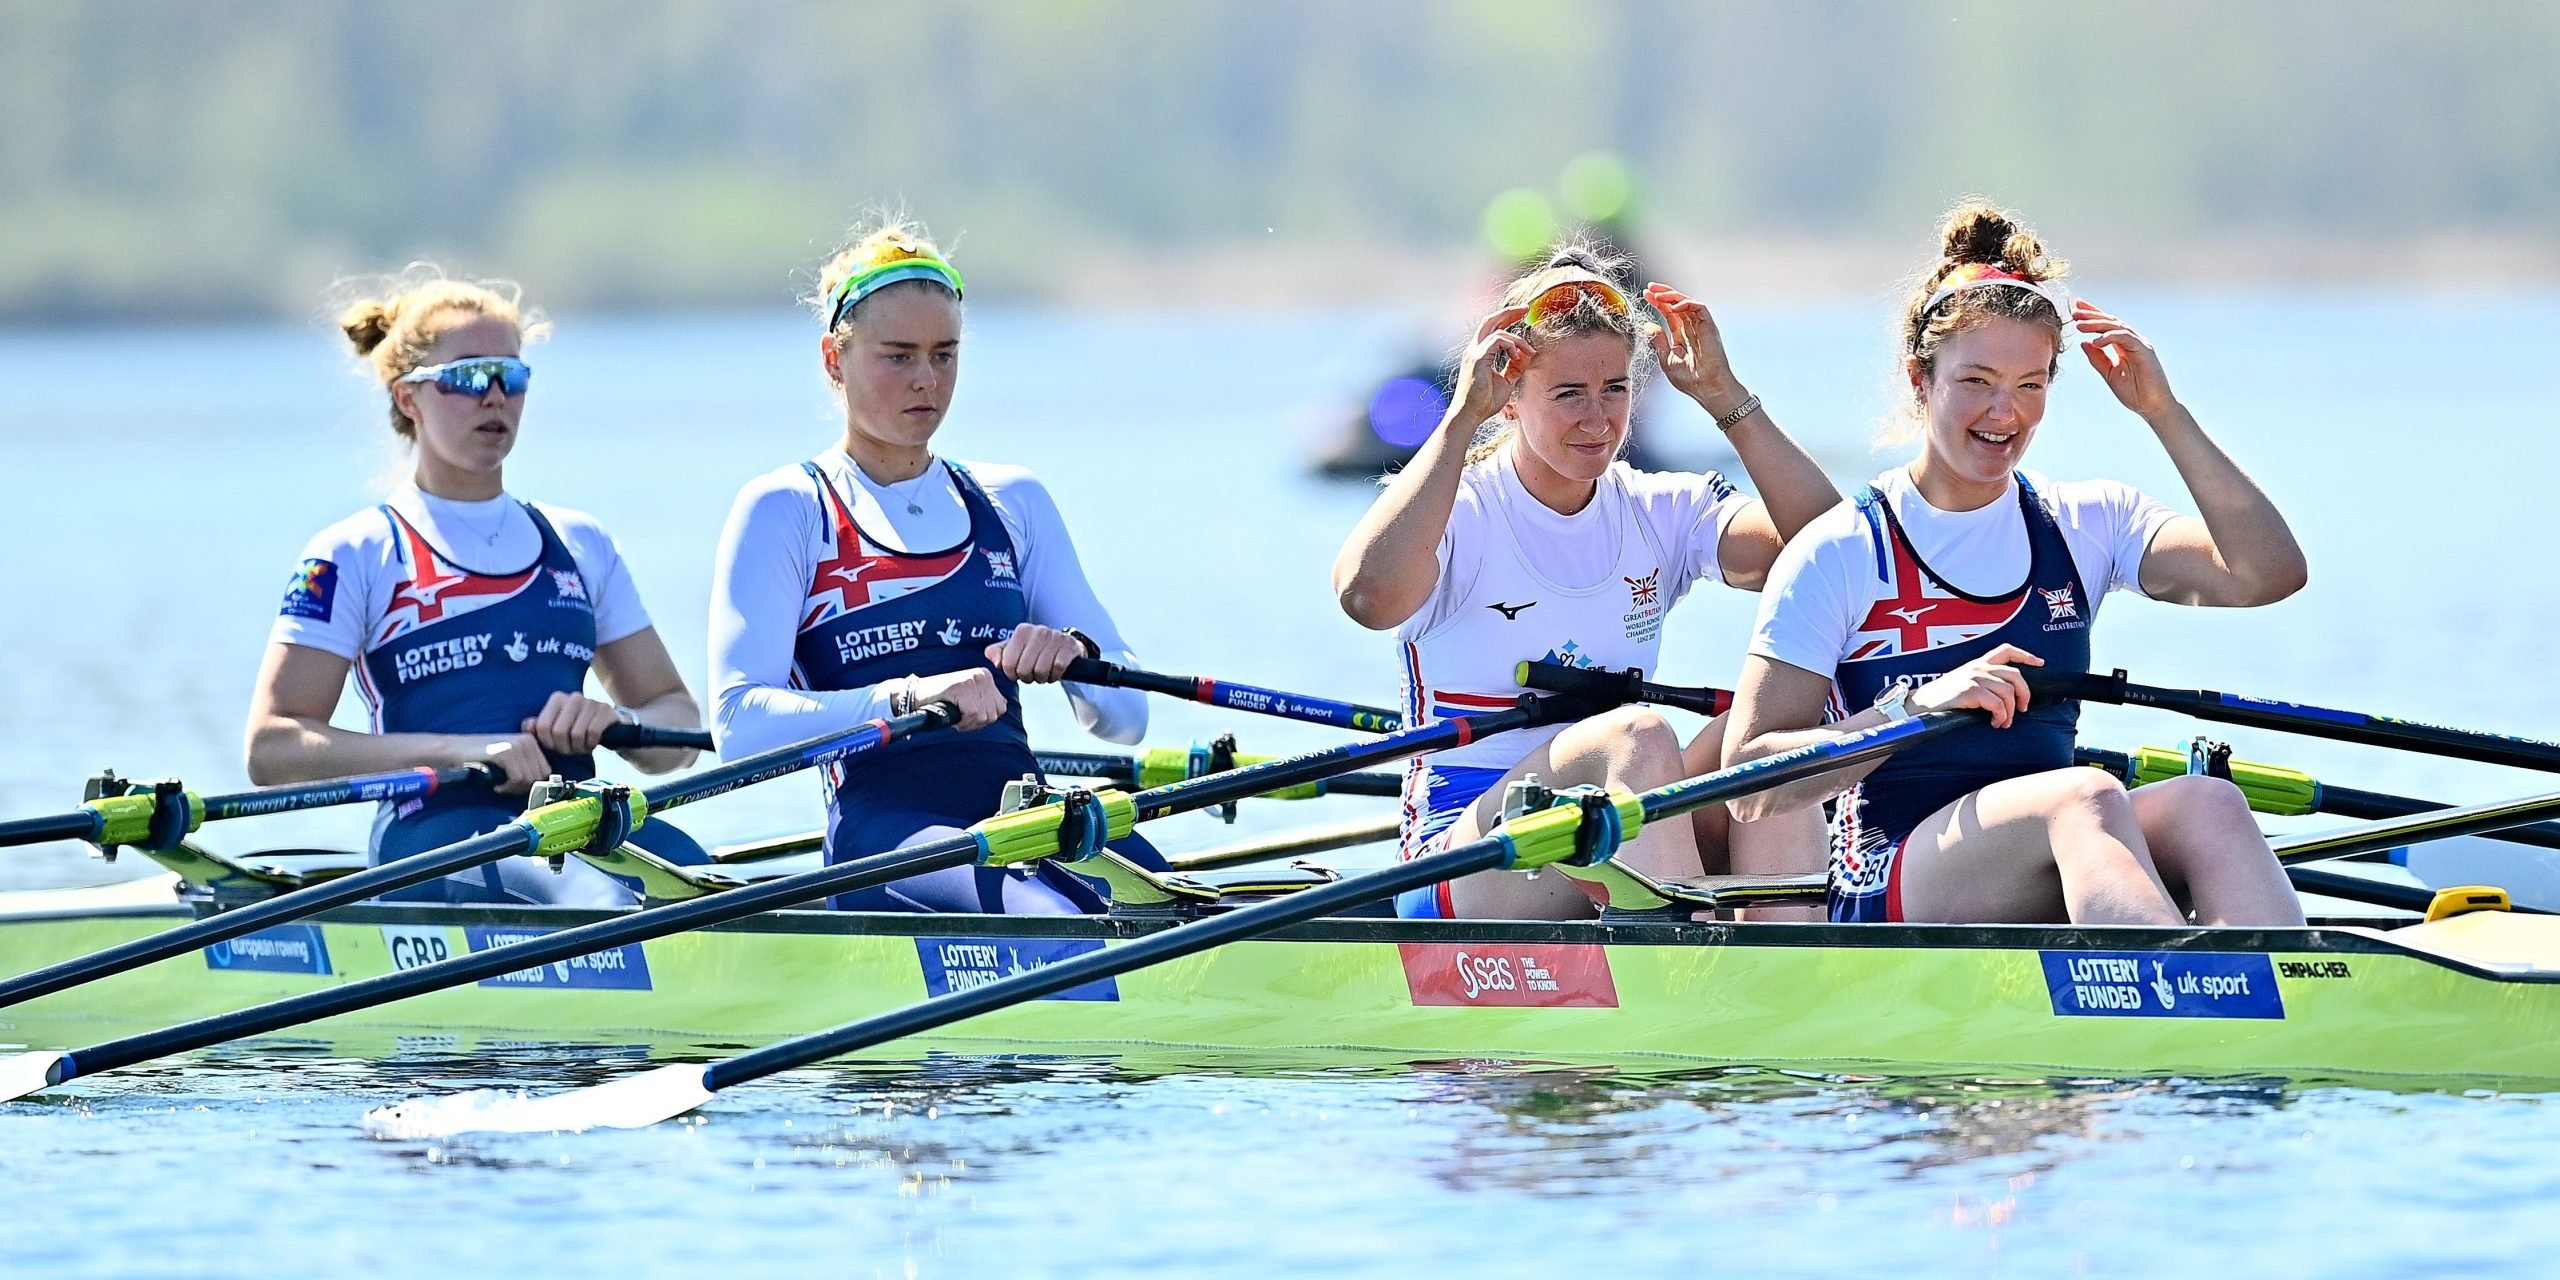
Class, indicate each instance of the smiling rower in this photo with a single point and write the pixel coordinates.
(469, 617)
(1947, 576)
(1539, 543)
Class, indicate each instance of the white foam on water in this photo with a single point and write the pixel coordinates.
(633, 1102)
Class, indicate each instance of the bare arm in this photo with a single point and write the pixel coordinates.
(639, 675)
(1793, 489)
(2241, 553)
(1389, 566)
(1779, 708)
(290, 738)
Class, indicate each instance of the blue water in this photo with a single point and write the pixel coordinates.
(163, 481)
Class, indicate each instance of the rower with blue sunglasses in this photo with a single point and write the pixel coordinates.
(469, 618)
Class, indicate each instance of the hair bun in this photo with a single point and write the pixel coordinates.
(1978, 231)
(367, 323)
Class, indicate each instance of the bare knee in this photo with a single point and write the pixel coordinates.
(2089, 798)
(2196, 804)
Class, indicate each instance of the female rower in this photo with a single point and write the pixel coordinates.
(876, 578)
(1949, 574)
(1539, 543)
(470, 617)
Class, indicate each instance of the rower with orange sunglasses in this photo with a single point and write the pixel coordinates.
(1516, 533)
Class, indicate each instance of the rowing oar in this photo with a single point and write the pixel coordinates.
(1160, 765)
(2272, 789)
(1587, 826)
(596, 812)
(1237, 697)
(158, 814)
(2441, 824)
(1082, 823)
(2316, 722)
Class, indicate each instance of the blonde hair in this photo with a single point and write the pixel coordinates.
(876, 241)
(393, 321)
(1974, 231)
(1586, 316)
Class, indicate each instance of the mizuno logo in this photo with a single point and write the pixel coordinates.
(1511, 612)
(1911, 616)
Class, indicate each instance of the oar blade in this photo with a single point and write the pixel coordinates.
(25, 1073)
(633, 1102)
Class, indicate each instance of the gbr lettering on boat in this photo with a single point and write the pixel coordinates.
(1527, 976)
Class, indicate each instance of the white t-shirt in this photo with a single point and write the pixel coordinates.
(1520, 581)
(771, 546)
(493, 538)
(1825, 581)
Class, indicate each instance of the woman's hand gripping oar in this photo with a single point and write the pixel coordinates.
(553, 828)
(1586, 826)
(1089, 819)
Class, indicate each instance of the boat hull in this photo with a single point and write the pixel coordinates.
(2475, 998)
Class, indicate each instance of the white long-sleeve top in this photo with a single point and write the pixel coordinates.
(770, 549)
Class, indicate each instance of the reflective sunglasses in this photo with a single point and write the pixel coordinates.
(1562, 295)
(474, 376)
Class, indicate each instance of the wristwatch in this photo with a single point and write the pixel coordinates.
(1092, 648)
(1895, 702)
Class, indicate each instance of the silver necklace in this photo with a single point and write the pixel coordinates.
(488, 537)
(914, 483)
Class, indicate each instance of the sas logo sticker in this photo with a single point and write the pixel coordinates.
(1528, 976)
(286, 948)
(2161, 984)
(624, 968)
(313, 590)
(961, 964)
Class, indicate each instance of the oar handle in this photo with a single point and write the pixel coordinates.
(1237, 697)
(646, 737)
(1622, 686)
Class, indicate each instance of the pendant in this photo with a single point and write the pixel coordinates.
(914, 510)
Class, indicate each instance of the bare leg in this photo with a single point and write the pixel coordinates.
(1631, 749)
(1784, 845)
(2209, 851)
(2053, 846)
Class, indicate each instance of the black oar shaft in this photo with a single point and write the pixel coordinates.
(2348, 802)
(2433, 824)
(336, 791)
(2317, 722)
(227, 925)
(60, 826)
(1237, 697)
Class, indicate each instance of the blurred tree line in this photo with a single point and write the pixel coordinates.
(190, 157)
